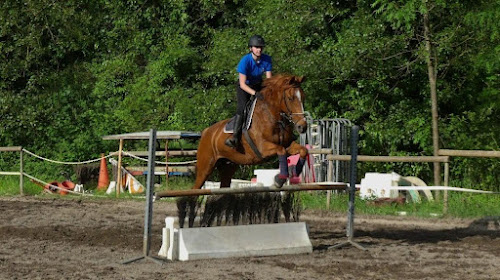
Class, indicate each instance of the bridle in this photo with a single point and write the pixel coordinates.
(288, 115)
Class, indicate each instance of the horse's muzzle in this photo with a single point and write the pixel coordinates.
(301, 126)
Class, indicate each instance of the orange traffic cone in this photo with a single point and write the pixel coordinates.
(103, 182)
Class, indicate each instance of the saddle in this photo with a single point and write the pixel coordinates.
(247, 116)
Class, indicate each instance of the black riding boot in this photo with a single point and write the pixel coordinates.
(234, 140)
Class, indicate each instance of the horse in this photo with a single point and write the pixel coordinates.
(279, 111)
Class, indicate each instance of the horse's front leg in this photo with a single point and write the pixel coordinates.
(271, 149)
(294, 149)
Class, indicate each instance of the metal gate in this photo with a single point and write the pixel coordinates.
(333, 135)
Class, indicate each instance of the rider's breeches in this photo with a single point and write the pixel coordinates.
(243, 97)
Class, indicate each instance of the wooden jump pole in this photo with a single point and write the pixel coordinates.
(290, 188)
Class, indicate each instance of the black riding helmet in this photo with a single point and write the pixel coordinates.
(256, 41)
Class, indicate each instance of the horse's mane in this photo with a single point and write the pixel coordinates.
(277, 83)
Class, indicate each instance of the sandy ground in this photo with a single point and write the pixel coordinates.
(46, 238)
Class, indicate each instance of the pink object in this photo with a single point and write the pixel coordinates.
(295, 180)
(292, 161)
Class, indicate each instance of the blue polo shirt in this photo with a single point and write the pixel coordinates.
(253, 69)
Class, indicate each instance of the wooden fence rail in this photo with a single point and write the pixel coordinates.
(469, 153)
(391, 158)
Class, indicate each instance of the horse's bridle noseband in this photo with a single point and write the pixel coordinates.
(288, 115)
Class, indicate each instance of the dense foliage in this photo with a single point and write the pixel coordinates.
(73, 71)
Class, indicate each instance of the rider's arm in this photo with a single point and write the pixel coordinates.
(244, 86)
(268, 74)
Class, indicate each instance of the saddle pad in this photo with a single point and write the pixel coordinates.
(229, 128)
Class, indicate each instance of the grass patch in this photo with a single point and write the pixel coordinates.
(9, 185)
(473, 205)
(176, 183)
(461, 205)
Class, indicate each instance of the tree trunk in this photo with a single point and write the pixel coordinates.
(431, 67)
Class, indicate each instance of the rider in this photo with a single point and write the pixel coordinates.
(250, 69)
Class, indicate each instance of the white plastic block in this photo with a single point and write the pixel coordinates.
(377, 185)
(266, 176)
(234, 241)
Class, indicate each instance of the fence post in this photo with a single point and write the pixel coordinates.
(119, 172)
(330, 179)
(446, 181)
(166, 163)
(21, 172)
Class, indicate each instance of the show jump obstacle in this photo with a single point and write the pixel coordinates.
(237, 241)
(247, 240)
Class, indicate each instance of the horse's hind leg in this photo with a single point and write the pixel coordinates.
(226, 171)
(205, 164)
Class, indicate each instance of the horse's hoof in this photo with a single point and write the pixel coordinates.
(279, 182)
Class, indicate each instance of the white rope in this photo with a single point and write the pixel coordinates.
(108, 156)
(439, 188)
(160, 162)
(65, 162)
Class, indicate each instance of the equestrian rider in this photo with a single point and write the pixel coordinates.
(250, 68)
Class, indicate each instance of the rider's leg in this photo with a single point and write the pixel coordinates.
(243, 98)
(234, 140)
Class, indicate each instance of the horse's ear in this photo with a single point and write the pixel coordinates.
(297, 80)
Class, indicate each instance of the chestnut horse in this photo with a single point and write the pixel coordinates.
(278, 111)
